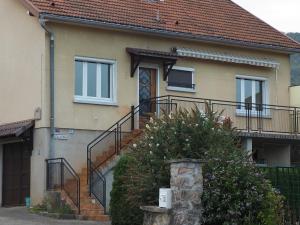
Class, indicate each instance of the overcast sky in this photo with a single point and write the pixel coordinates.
(281, 14)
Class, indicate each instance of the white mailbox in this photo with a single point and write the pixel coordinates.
(165, 198)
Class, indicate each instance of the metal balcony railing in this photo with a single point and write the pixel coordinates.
(246, 117)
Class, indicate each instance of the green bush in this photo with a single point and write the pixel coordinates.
(235, 192)
(120, 210)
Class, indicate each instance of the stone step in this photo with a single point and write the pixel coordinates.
(87, 206)
(100, 218)
(91, 212)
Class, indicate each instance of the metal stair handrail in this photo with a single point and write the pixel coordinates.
(56, 179)
(116, 130)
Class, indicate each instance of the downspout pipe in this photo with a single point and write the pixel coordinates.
(52, 87)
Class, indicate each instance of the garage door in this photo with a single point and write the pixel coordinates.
(16, 174)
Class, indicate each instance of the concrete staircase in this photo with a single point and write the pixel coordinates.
(90, 209)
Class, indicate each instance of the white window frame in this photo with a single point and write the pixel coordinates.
(181, 89)
(265, 97)
(84, 98)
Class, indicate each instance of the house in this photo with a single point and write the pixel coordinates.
(77, 77)
(295, 96)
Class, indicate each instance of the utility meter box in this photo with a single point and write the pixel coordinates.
(165, 198)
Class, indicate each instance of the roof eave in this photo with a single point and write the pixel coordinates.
(165, 33)
(31, 8)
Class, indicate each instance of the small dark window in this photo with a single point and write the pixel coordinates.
(181, 79)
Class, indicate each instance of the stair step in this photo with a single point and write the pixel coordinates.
(90, 208)
(92, 212)
(100, 218)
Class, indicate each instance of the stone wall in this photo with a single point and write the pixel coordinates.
(187, 188)
(156, 216)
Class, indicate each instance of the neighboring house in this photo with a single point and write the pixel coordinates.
(295, 65)
(295, 96)
(71, 69)
(295, 62)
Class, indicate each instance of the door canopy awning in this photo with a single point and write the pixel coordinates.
(15, 129)
(168, 59)
(225, 57)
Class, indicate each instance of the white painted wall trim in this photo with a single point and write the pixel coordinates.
(150, 66)
(113, 85)
(181, 89)
(266, 90)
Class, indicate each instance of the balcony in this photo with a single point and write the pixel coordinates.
(250, 119)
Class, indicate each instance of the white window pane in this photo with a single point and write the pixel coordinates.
(92, 80)
(105, 80)
(238, 92)
(248, 92)
(78, 77)
(180, 78)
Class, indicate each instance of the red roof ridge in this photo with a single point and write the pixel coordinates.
(206, 20)
(282, 33)
(31, 7)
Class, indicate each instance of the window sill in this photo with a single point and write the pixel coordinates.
(190, 90)
(94, 102)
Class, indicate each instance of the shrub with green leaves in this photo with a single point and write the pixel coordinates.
(119, 208)
(235, 192)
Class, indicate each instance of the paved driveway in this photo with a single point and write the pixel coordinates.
(21, 216)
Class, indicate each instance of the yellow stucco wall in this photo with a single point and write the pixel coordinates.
(213, 79)
(24, 81)
(295, 96)
(22, 47)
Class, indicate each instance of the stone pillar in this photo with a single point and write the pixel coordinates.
(187, 189)
(156, 216)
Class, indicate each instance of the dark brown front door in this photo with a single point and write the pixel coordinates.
(16, 174)
(147, 90)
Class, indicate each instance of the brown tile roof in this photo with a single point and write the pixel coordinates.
(15, 129)
(217, 19)
(152, 53)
